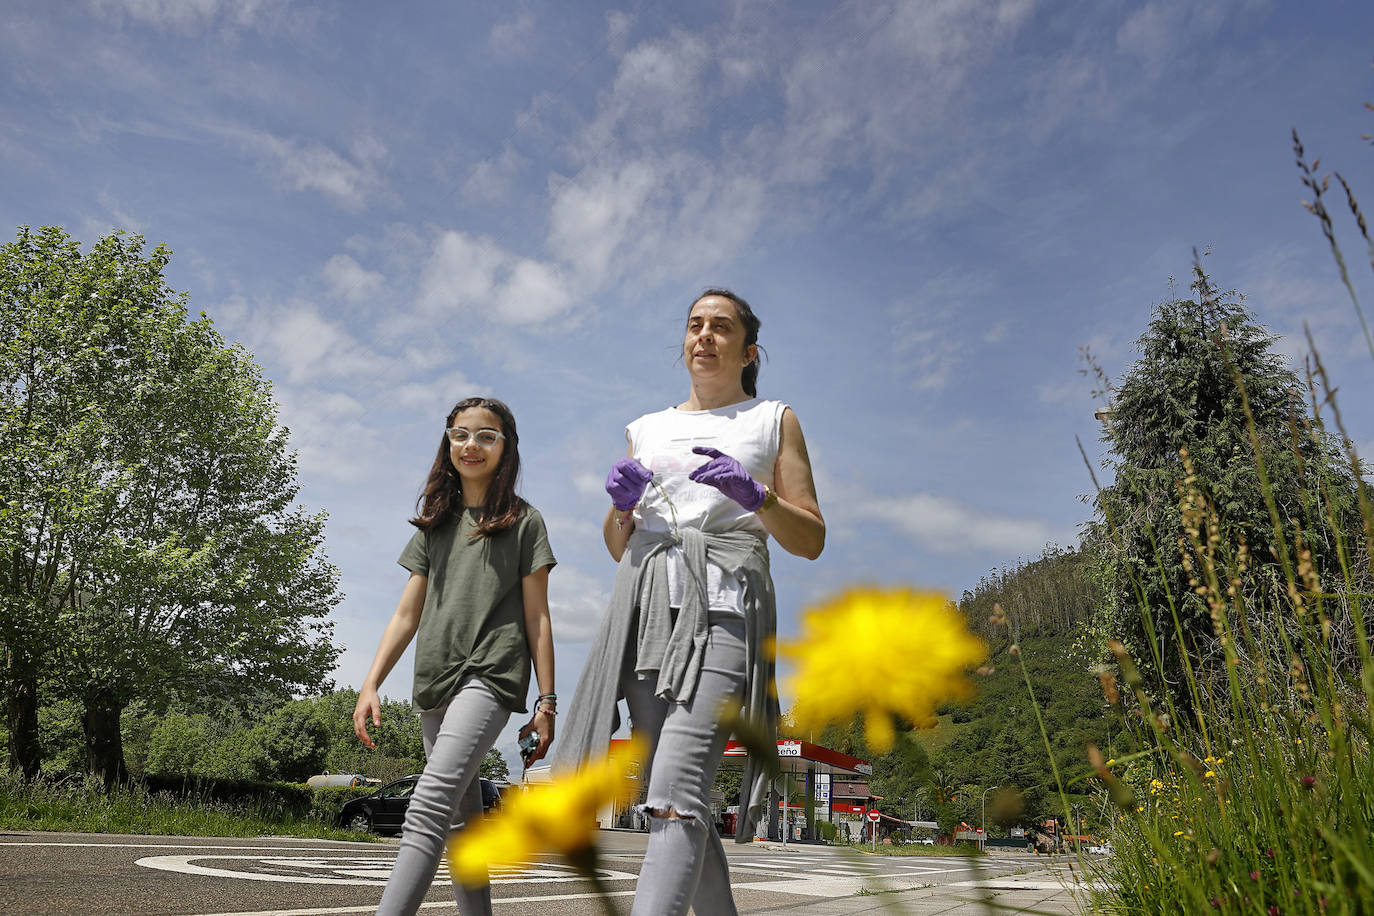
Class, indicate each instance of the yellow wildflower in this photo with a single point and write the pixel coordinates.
(917, 650)
(558, 817)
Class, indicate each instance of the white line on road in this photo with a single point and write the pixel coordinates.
(353, 871)
(332, 910)
(198, 846)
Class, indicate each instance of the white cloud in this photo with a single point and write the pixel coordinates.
(435, 396)
(491, 179)
(329, 433)
(589, 484)
(352, 180)
(299, 345)
(1164, 30)
(653, 217)
(513, 37)
(944, 525)
(268, 17)
(618, 26)
(661, 89)
(1066, 391)
(476, 276)
(997, 332)
(344, 278)
(577, 602)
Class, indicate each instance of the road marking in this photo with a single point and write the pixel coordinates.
(343, 844)
(356, 871)
(332, 910)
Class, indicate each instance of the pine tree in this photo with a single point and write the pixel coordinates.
(1179, 420)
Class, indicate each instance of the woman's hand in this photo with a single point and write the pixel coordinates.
(729, 477)
(542, 723)
(626, 482)
(369, 706)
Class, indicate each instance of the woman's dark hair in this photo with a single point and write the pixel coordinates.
(749, 378)
(443, 494)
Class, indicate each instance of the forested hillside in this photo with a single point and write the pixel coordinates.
(993, 740)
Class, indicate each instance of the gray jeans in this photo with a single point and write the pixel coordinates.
(446, 799)
(685, 862)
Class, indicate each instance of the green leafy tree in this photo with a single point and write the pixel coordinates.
(400, 747)
(494, 767)
(1202, 360)
(295, 742)
(150, 544)
(239, 755)
(728, 781)
(176, 746)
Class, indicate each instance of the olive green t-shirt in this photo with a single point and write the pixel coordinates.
(473, 622)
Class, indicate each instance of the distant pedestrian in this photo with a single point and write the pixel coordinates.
(477, 606)
(692, 613)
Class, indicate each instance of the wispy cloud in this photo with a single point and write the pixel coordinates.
(466, 274)
(351, 179)
(944, 525)
(577, 603)
(434, 396)
(267, 17)
(298, 343)
(491, 179)
(513, 37)
(344, 278)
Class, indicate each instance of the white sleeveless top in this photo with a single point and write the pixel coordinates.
(748, 432)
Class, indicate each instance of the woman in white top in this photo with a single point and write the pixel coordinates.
(704, 486)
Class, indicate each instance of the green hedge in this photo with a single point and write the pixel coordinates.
(271, 799)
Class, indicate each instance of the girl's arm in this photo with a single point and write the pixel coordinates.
(534, 589)
(795, 519)
(397, 635)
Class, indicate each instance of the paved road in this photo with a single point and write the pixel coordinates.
(56, 873)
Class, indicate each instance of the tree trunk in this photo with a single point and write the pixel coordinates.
(104, 741)
(21, 715)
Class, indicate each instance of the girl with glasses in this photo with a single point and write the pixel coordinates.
(477, 606)
(686, 639)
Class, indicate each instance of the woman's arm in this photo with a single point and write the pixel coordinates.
(397, 635)
(618, 526)
(795, 518)
(617, 535)
(534, 589)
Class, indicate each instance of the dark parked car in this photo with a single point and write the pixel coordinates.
(384, 811)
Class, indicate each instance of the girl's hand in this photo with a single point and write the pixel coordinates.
(369, 706)
(543, 724)
(626, 482)
(729, 477)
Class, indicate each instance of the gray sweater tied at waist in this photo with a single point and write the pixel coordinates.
(640, 620)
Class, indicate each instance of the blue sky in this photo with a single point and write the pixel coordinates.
(931, 205)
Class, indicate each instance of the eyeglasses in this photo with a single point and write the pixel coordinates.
(487, 438)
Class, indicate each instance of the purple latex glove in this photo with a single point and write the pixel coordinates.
(729, 477)
(626, 483)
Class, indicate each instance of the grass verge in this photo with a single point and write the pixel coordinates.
(83, 806)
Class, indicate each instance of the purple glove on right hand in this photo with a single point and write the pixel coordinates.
(729, 477)
(626, 483)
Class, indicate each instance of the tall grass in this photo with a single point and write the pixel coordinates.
(1261, 799)
(85, 806)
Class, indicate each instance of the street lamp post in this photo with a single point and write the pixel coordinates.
(984, 803)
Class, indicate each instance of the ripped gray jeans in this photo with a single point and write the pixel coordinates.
(446, 799)
(685, 863)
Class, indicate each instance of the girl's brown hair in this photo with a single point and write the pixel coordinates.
(442, 497)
